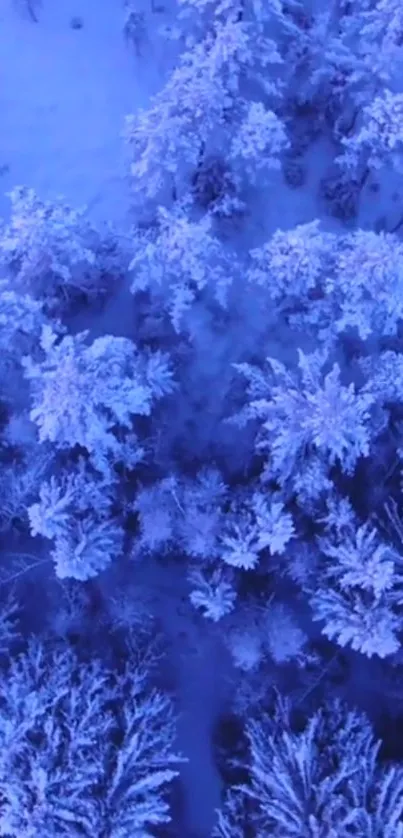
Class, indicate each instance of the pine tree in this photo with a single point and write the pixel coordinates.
(83, 750)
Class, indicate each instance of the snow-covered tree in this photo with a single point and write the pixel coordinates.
(21, 321)
(183, 514)
(19, 483)
(384, 377)
(50, 516)
(350, 55)
(213, 593)
(84, 548)
(245, 645)
(378, 50)
(82, 393)
(69, 495)
(197, 110)
(282, 637)
(247, 21)
(370, 628)
(359, 591)
(322, 781)
(262, 523)
(166, 140)
(74, 510)
(199, 15)
(342, 283)
(178, 262)
(312, 482)
(259, 142)
(292, 264)
(305, 412)
(233, 820)
(366, 287)
(134, 27)
(83, 751)
(10, 611)
(379, 139)
(53, 252)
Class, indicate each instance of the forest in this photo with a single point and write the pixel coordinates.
(201, 426)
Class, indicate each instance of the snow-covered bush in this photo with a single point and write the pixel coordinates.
(178, 262)
(82, 393)
(83, 751)
(51, 251)
(360, 591)
(306, 412)
(322, 781)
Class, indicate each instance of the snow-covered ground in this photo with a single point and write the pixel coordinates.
(64, 93)
(198, 667)
(201, 667)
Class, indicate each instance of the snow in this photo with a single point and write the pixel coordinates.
(201, 669)
(201, 684)
(63, 106)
